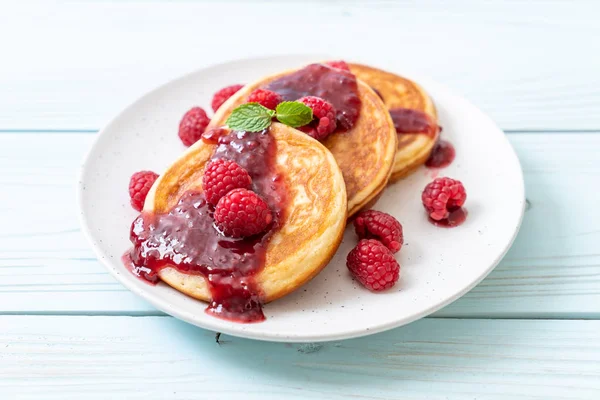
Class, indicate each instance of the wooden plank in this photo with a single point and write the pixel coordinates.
(555, 257)
(552, 271)
(433, 359)
(530, 65)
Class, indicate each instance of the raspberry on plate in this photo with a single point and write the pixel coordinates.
(373, 265)
(442, 196)
(222, 95)
(324, 112)
(378, 225)
(192, 125)
(339, 64)
(222, 176)
(265, 98)
(242, 213)
(139, 186)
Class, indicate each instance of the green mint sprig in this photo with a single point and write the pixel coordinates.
(252, 117)
(293, 113)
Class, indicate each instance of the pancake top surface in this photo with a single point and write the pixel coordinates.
(365, 152)
(299, 179)
(396, 91)
(413, 113)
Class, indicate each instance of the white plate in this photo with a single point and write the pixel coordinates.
(437, 265)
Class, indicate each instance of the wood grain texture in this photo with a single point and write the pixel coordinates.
(556, 257)
(73, 65)
(432, 359)
(552, 271)
(67, 67)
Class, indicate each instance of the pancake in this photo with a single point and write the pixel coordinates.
(398, 92)
(311, 225)
(364, 153)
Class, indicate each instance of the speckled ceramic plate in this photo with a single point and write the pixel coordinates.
(438, 265)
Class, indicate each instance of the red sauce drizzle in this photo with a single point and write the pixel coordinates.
(337, 86)
(213, 135)
(442, 155)
(186, 239)
(457, 217)
(407, 120)
(377, 92)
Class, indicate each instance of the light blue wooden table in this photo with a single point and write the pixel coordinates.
(531, 330)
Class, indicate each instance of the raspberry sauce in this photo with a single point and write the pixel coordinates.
(185, 238)
(213, 135)
(457, 217)
(442, 155)
(334, 85)
(377, 92)
(407, 120)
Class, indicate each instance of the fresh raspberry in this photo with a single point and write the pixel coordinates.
(373, 265)
(378, 225)
(324, 112)
(192, 125)
(222, 176)
(442, 196)
(222, 95)
(242, 213)
(139, 186)
(265, 98)
(339, 64)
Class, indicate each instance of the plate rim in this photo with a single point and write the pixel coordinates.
(162, 305)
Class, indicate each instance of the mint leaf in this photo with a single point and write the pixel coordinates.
(294, 113)
(250, 117)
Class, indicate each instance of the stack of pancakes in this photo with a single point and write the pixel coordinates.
(327, 182)
(412, 149)
(371, 153)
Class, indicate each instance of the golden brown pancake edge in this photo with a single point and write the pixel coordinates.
(313, 223)
(399, 92)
